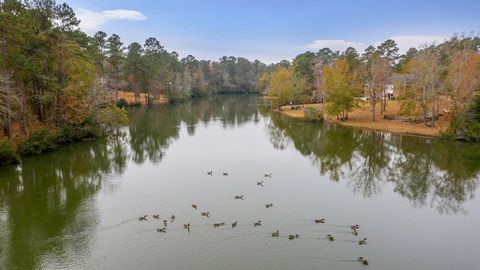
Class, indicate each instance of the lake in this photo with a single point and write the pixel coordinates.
(415, 199)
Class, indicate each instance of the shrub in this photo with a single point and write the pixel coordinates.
(73, 133)
(466, 126)
(8, 154)
(313, 114)
(122, 103)
(472, 132)
(42, 140)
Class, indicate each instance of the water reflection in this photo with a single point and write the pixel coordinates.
(425, 171)
(45, 202)
(153, 130)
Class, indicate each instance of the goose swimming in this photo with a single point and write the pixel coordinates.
(330, 237)
(363, 242)
(362, 260)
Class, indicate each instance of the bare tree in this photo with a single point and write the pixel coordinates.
(376, 74)
(425, 71)
(463, 79)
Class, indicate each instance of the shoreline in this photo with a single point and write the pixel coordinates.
(129, 97)
(360, 118)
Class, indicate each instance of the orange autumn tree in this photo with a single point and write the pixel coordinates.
(463, 86)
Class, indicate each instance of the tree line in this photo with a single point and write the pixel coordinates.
(450, 70)
(55, 75)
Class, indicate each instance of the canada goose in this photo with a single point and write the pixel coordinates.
(194, 206)
(165, 222)
(275, 234)
(269, 205)
(144, 218)
(206, 214)
(259, 223)
(239, 197)
(156, 216)
(293, 236)
(162, 230)
(354, 231)
(330, 237)
(234, 224)
(186, 226)
(269, 175)
(363, 242)
(210, 173)
(225, 174)
(260, 183)
(362, 260)
(172, 217)
(356, 227)
(216, 225)
(320, 220)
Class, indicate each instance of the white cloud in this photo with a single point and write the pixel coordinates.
(92, 21)
(334, 44)
(403, 42)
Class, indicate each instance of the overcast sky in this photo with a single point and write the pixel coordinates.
(272, 30)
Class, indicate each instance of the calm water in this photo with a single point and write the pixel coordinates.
(415, 199)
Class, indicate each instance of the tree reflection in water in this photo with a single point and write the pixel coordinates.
(46, 209)
(45, 201)
(442, 174)
(153, 130)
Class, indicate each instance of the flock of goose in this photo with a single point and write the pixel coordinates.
(275, 234)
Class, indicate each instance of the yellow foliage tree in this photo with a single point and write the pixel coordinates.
(281, 85)
(341, 89)
(264, 83)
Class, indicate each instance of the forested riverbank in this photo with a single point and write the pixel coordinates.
(60, 85)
